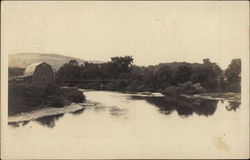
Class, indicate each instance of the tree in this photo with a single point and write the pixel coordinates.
(205, 72)
(69, 72)
(182, 73)
(73, 62)
(233, 72)
(121, 65)
(206, 61)
(90, 71)
(233, 76)
(163, 76)
(208, 74)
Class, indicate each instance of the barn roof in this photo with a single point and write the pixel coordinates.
(29, 71)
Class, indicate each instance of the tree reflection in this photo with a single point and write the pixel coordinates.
(117, 112)
(78, 112)
(18, 124)
(232, 106)
(206, 107)
(49, 121)
(183, 106)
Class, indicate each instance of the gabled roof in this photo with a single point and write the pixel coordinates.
(29, 71)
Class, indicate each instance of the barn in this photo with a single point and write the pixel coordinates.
(39, 73)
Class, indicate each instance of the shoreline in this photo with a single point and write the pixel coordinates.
(73, 107)
(50, 111)
(230, 96)
(236, 97)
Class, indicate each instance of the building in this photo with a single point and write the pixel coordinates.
(39, 73)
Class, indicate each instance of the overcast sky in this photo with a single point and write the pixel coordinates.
(152, 32)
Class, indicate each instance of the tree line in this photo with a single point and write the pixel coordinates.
(175, 77)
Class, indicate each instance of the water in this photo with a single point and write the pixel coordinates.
(132, 126)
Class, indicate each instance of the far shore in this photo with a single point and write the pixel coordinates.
(230, 96)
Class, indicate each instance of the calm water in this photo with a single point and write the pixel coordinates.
(132, 126)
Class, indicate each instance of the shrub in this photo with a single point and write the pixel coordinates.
(25, 98)
(81, 85)
(132, 87)
(111, 86)
(190, 88)
(171, 90)
(50, 89)
(212, 86)
(197, 88)
(185, 86)
(122, 84)
(141, 88)
(56, 102)
(233, 87)
(74, 95)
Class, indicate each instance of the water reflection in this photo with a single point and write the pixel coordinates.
(18, 124)
(144, 125)
(184, 106)
(120, 105)
(232, 105)
(99, 108)
(78, 112)
(49, 121)
(117, 111)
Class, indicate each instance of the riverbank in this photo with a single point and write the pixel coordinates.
(230, 96)
(50, 111)
(235, 97)
(27, 98)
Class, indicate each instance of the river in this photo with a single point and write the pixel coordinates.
(134, 126)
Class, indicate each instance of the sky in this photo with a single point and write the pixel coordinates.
(151, 32)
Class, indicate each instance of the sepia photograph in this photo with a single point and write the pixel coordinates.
(124, 80)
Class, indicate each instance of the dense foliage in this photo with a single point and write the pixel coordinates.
(233, 75)
(176, 77)
(25, 97)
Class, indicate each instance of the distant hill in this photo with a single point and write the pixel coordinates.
(22, 60)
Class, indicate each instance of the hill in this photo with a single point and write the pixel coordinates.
(22, 60)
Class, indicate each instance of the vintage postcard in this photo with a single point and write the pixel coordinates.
(124, 79)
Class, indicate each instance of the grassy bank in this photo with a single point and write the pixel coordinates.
(25, 97)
